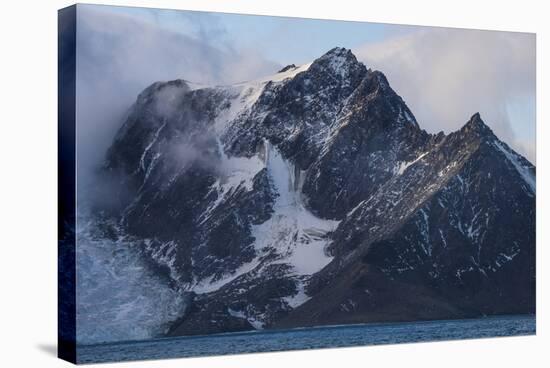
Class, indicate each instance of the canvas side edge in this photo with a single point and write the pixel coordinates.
(66, 184)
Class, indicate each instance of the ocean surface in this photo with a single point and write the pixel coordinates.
(308, 338)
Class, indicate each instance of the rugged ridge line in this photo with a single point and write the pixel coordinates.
(314, 197)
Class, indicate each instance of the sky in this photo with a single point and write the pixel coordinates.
(444, 75)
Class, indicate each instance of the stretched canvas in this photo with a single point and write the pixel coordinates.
(236, 183)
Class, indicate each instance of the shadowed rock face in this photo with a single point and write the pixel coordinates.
(314, 197)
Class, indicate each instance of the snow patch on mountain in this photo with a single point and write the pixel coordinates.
(523, 171)
(299, 298)
(235, 172)
(242, 96)
(279, 77)
(119, 296)
(403, 165)
(293, 234)
(209, 285)
(297, 236)
(239, 171)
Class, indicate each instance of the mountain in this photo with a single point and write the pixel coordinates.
(313, 197)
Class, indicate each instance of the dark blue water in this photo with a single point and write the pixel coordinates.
(310, 338)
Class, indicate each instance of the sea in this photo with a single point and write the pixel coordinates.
(308, 338)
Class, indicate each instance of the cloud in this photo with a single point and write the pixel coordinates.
(119, 54)
(446, 75)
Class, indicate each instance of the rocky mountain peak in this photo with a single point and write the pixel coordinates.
(314, 197)
(340, 62)
(158, 89)
(287, 68)
(340, 52)
(477, 126)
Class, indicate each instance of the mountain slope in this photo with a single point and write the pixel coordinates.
(313, 196)
(461, 243)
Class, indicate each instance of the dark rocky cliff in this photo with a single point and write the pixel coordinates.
(314, 197)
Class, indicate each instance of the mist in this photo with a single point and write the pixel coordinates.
(119, 55)
(446, 75)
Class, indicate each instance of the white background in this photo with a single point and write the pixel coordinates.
(28, 164)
